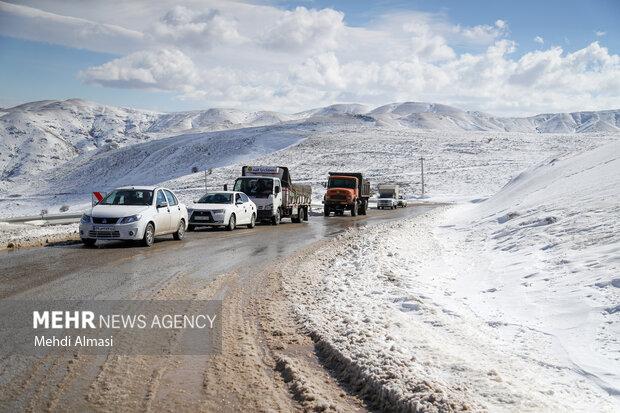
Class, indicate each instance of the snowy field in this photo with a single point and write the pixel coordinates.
(511, 304)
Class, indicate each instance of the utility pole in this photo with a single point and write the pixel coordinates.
(207, 172)
(422, 167)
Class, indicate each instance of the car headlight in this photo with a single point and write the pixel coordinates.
(130, 219)
(85, 219)
(218, 211)
(269, 206)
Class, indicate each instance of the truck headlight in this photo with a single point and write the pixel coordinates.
(132, 218)
(269, 206)
(85, 219)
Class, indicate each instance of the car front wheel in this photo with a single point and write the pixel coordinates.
(252, 223)
(149, 235)
(232, 223)
(180, 231)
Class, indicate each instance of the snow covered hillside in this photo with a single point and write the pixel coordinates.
(549, 259)
(511, 304)
(54, 153)
(39, 136)
(458, 165)
(419, 115)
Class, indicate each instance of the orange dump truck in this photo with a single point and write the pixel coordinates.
(346, 191)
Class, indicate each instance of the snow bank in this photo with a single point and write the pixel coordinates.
(507, 305)
(24, 235)
(549, 245)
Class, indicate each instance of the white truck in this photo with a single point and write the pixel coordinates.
(388, 196)
(275, 196)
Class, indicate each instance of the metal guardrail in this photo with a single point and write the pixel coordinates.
(49, 218)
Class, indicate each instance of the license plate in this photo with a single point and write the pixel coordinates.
(199, 218)
(99, 228)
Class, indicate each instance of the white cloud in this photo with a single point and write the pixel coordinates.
(302, 29)
(539, 40)
(484, 33)
(185, 27)
(258, 56)
(164, 69)
(426, 43)
(38, 25)
(600, 33)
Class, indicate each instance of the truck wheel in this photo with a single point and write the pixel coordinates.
(354, 210)
(149, 235)
(232, 223)
(326, 211)
(306, 215)
(89, 242)
(275, 220)
(252, 223)
(364, 208)
(178, 236)
(297, 219)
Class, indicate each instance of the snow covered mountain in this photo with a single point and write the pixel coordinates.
(419, 115)
(41, 136)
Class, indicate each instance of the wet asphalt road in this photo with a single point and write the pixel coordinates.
(116, 270)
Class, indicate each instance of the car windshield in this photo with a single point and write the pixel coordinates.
(386, 196)
(255, 187)
(217, 198)
(128, 197)
(341, 183)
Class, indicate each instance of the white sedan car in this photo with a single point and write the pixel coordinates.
(135, 213)
(226, 209)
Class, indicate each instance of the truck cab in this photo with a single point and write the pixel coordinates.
(346, 192)
(264, 191)
(341, 190)
(275, 195)
(388, 196)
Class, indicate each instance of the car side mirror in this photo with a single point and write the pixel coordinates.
(162, 205)
(277, 191)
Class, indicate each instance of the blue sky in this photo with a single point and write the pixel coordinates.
(287, 55)
(32, 71)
